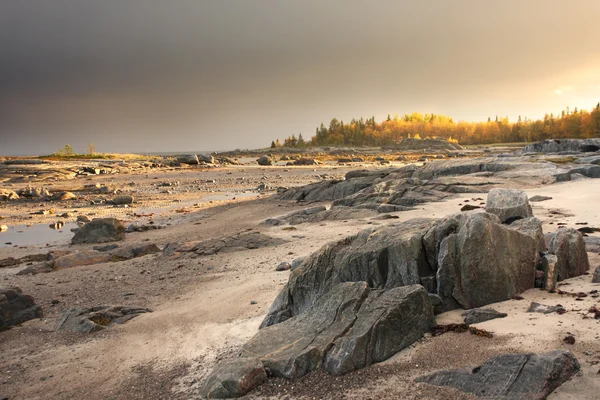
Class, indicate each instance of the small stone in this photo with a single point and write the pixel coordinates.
(569, 339)
(284, 266)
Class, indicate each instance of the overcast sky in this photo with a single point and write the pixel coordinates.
(182, 75)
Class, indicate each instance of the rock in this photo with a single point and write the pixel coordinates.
(478, 315)
(319, 214)
(67, 215)
(3, 228)
(389, 257)
(446, 256)
(100, 230)
(64, 196)
(468, 276)
(284, 266)
(190, 159)
(41, 268)
(133, 251)
(349, 327)
(107, 247)
(569, 248)
(122, 200)
(533, 227)
(297, 262)
(560, 145)
(6, 194)
(538, 198)
(508, 204)
(87, 320)
(469, 207)
(550, 270)
(297, 346)
(228, 244)
(83, 218)
(35, 192)
(592, 244)
(387, 322)
(206, 158)
(511, 376)
(306, 161)
(16, 307)
(9, 262)
(596, 277)
(265, 161)
(544, 309)
(234, 378)
(81, 258)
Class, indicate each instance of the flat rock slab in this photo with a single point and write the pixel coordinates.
(544, 309)
(87, 320)
(478, 315)
(16, 307)
(241, 241)
(511, 376)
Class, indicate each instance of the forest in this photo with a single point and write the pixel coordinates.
(368, 132)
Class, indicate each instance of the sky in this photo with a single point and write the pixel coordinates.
(192, 75)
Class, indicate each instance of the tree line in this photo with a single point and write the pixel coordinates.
(578, 124)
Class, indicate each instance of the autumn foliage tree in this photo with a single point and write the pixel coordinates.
(578, 124)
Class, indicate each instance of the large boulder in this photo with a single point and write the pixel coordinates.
(508, 204)
(16, 307)
(264, 160)
(569, 247)
(100, 230)
(387, 257)
(484, 262)
(234, 378)
(190, 159)
(297, 346)
(468, 259)
(533, 227)
(349, 327)
(511, 376)
(388, 321)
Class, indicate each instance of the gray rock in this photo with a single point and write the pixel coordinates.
(206, 158)
(508, 204)
(388, 321)
(511, 376)
(544, 309)
(297, 262)
(87, 320)
(284, 266)
(122, 200)
(16, 307)
(478, 315)
(549, 267)
(100, 230)
(569, 248)
(35, 192)
(590, 171)
(190, 159)
(265, 161)
(234, 378)
(533, 227)
(592, 243)
(539, 198)
(468, 276)
(306, 161)
(133, 251)
(297, 346)
(596, 277)
(560, 145)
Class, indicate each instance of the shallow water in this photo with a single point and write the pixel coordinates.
(23, 235)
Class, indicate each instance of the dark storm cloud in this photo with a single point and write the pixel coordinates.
(226, 74)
